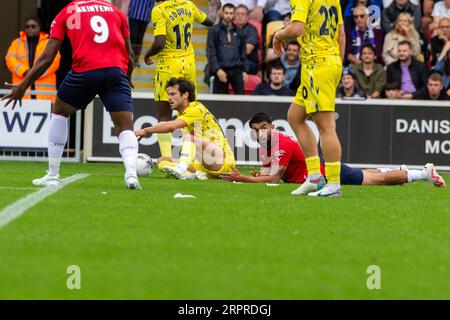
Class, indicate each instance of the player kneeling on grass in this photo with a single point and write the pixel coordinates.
(283, 159)
(205, 151)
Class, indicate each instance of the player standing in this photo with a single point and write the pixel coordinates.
(320, 31)
(173, 22)
(102, 64)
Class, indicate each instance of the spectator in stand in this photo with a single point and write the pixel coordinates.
(404, 30)
(409, 72)
(441, 9)
(391, 13)
(275, 86)
(433, 91)
(256, 7)
(291, 61)
(374, 8)
(22, 54)
(363, 33)
(227, 54)
(393, 90)
(348, 89)
(443, 66)
(270, 53)
(370, 76)
(438, 42)
(276, 10)
(241, 18)
(139, 15)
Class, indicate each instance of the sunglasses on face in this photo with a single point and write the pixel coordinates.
(444, 27)
(31, 26)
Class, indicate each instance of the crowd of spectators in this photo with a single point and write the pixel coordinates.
(395, 49)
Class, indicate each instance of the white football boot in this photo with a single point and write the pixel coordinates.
(200, 175)
(325, 192)
(308, 187)
(433, 176)
(132, 183)
(178, 173)
(48, 180)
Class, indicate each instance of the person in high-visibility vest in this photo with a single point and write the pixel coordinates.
(22, 54)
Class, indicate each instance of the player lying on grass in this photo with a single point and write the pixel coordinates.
(205, 151)
(283, 159)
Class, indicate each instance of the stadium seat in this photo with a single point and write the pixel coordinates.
(271, 28)
(249, 86)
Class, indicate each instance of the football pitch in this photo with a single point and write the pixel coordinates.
(233, 241)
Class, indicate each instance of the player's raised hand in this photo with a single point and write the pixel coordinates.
(141, 133)
(148, 60)
(16, 94)
(216, 4)
(278, 45)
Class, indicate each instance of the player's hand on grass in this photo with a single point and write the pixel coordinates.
(235, 175)
(278, 45)
(255, 173)
(16, 94)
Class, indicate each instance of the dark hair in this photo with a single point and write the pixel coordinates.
(293, 42)
(405, 42)
(260, 117)
(370, 47)
(277, 66)
(228, 5)
(244, 7)
(393, 86)
(183, 86)
(36, 19)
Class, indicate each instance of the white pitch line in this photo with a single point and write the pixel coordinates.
(18, 188)
(19, 207)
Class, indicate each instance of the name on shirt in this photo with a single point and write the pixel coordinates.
(179, 12)
(94, 8)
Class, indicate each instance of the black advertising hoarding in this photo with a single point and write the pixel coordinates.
(371, 132)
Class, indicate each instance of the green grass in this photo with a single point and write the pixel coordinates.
(234, 241)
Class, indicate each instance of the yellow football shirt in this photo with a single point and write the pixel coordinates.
(175, 19)
(202, 124)
(322, 19)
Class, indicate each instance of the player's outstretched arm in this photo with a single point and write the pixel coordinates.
(162, 127)
(239, 177)
(214, 7)
(157, 46)
(294, 30)
(42, 63)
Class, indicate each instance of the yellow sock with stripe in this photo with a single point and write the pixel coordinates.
(165, 144)
(165, 163)
(313, 166)
(333, 174)
(187, 154)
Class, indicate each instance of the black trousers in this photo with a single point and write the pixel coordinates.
(234, 77)
(137, 32)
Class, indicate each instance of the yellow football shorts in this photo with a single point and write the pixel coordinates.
(317, 91)
(167, 69)
(227, 167)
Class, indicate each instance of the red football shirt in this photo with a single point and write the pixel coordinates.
(97, 32)
(286, 152)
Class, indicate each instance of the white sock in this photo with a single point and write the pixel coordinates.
(333, 187)
(57, 138)
(315, 177)
(128, 146)
(414, 175)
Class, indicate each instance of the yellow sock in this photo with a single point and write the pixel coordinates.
(165, 144)
(165, 163)
(187, 154)
(333, 172)
(313, 165)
